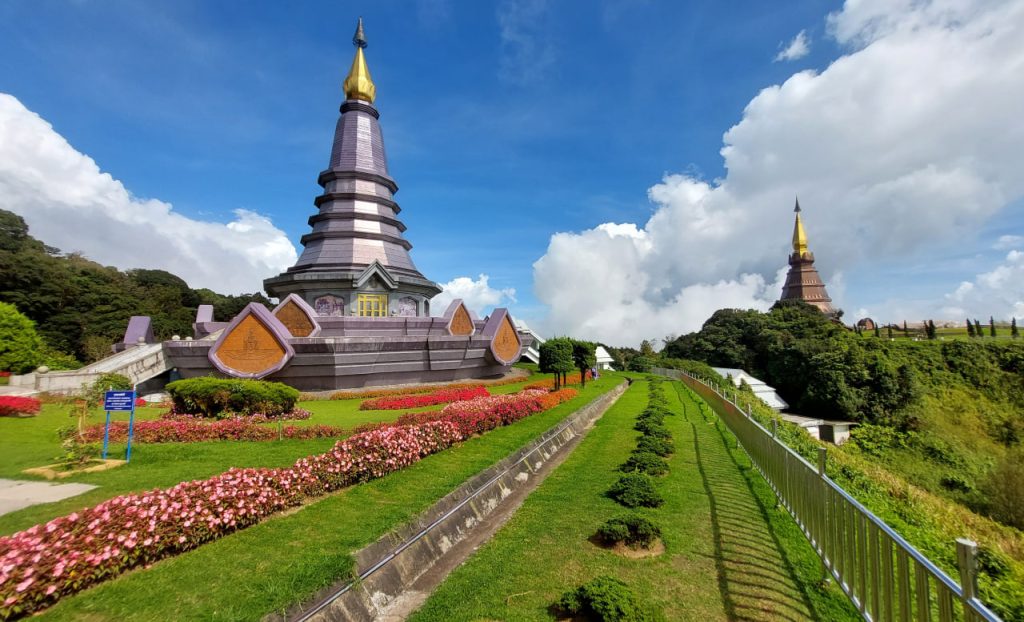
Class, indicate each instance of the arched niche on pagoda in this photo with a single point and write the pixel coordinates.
(297, 316)
(254, 344)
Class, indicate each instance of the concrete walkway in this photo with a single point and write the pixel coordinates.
(15, 495)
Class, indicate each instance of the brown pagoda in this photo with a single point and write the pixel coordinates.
(803, 281)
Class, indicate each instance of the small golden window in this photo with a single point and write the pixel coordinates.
(372, 305)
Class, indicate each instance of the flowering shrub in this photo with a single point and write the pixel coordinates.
(12, 406)
(71, 553)
(443, 396)
(482, 414)
(181, 431)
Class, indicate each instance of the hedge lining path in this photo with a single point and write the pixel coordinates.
(730, 555)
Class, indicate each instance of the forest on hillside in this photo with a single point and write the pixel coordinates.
(81, 308)
(947, 415)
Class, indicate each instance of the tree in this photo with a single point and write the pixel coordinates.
(584, 355)
(878, 330)
(19, 343)
(556, 358)
(977, 329)
(991, 326)
(889, 329)
(970, 328)
(906, 333)
(1013, 328)
(929, 329)
(646, 348)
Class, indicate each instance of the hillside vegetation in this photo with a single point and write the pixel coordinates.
(940, 425)
(81, 308)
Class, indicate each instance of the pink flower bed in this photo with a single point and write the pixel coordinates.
(296, 414)
(11, 406)
(183, 431)
(70, 553)
(443, 396)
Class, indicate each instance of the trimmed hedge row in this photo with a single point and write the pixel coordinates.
(222, 397)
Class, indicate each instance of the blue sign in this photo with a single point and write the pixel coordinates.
(119, 400)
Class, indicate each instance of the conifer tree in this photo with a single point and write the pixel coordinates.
(1013, 328)
(991, 326)
(878, 330)
(970, 328)
(906, 333)
(929, 329)
(889, 328)
(977, 328)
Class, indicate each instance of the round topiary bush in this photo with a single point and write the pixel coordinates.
(632, 530)
(221, 397)
(604, 599)
(658, 446)
(636, 490)
(645, 462)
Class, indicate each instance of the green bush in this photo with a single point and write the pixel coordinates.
(652, 429)
(632, 530)
(220, 397)
(107, 382)
(19, 343)
(604, 599)
(658, 446)
(636, 490)
(644, 462)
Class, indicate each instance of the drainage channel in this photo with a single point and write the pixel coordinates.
(391, 569)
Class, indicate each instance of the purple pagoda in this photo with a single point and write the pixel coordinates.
(356, 262)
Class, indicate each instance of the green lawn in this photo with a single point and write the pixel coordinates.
(33, 442)
(271, 565)
(729, 553)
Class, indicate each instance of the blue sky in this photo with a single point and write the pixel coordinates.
(506, 122)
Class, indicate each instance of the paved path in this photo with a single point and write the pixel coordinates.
(15, 495)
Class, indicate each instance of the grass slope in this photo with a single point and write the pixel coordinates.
(275, 563)
(729, 553)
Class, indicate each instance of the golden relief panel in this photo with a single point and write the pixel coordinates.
(461, 323)
(250, 348)
(295, 318)
(506, 341)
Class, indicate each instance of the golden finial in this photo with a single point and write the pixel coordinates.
(799, 235)
(358, 84)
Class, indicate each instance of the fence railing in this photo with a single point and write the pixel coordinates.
(884, 576)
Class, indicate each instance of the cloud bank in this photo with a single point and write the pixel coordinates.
(477, 294)
(909, 140)
(69, 203)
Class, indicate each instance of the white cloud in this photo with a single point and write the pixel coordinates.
(908, 141)
(526, 51)
(69, 203)
(477, 294)
(998, 293)
(799, 47)
(1009, 242)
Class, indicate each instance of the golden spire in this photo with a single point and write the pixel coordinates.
(799, 235)
(359, 84)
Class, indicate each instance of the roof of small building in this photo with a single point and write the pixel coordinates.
(603, 356)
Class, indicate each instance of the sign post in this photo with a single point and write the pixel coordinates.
(119, 401)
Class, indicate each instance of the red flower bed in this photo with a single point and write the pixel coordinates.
(444, 396)
(73, 552)
(549, 383)
(369, 393)
(12, 406)
(5, 374)
(182, 431)
(295, 414)
(486, 413)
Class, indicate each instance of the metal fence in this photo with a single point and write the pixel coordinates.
(885, 577)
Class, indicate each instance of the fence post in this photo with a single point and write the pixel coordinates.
(775, 428)
(826, 576)
(967, 562)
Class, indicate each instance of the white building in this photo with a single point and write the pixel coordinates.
(760, 389)
(604, 360)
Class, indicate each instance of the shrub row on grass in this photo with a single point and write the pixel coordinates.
(13, 406)
(630, 529)
(220, 397)
(442, 396)
(178, 431)
(70, 553)
(636, 488)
